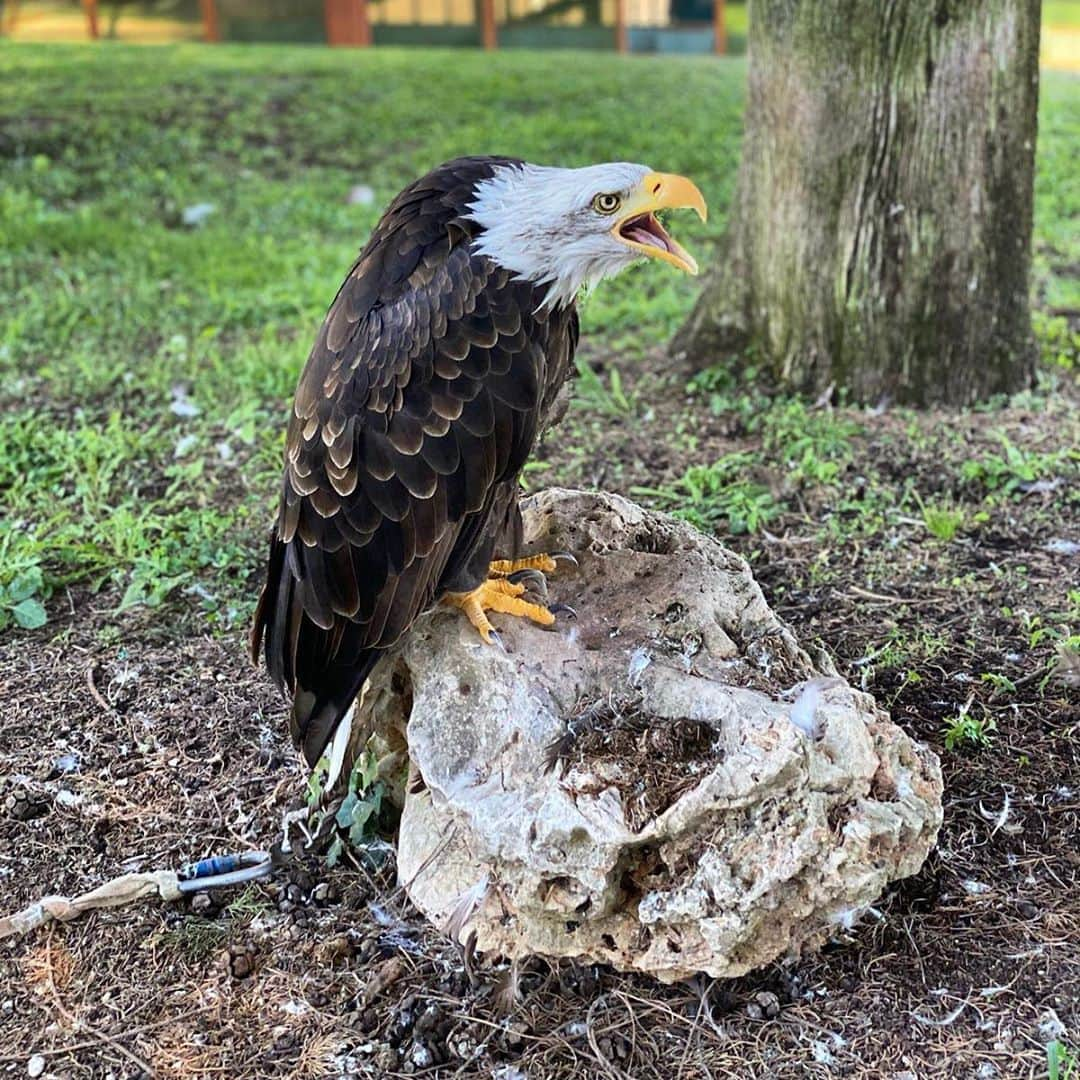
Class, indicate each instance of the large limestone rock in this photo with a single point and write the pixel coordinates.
(718, 799)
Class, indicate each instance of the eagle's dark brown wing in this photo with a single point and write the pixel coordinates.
(415, 413)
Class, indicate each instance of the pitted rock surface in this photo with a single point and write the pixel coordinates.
(669, 783)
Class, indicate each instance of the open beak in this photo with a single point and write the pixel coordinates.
(638, 228)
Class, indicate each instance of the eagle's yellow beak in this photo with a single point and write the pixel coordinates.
(638, 228)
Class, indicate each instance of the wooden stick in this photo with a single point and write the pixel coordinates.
(95, 693)
(79, 1024)
(88, 1044)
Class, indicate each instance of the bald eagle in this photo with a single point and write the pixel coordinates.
(430, 379)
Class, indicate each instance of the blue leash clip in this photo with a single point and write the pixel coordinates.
(222, 870)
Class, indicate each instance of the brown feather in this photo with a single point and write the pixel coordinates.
(419, 404)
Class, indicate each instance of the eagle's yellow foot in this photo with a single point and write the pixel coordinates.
(497, 594)
(544, 563)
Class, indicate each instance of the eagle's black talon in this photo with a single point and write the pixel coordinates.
(565, 556)
(533, 578)
(496, 639)
(563, 609)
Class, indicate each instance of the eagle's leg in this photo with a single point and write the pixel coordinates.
(497, 594)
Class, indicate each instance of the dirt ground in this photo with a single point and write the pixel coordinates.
(147, 746)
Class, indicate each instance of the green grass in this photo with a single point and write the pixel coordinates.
(971, 731)
(604, 395)
(116, 313)
(1061, 1062)
(1015, 469)
(146, 365)
(943, 522)
(1057, 199)
(719, 495)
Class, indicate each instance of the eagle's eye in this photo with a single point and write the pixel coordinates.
(606, 203)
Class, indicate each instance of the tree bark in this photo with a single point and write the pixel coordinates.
(880, 238)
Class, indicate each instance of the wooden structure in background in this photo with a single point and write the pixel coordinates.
(91, 10)
(622, 35)
(347, 23)
(489, 35)
(719, 28)
(211, 28)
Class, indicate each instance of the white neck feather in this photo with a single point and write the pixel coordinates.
(539, 223)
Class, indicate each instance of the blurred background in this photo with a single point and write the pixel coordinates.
(641, 26)
(686, 26)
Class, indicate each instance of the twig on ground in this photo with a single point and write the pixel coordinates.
(95, 693)
(866, 594)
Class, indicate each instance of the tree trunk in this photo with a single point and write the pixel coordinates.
(880, 239)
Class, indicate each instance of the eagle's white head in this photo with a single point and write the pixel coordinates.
(565, 228)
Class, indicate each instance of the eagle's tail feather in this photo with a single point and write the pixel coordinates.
(315, 718)
(300, 655)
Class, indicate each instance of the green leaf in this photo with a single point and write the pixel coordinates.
(369, 769)
(344, 816)
(334, 852)
(364, 812)
(30, 614)
(150, 592)
(315, 782)
(29, 583)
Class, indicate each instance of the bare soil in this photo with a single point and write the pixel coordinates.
(132, 744)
